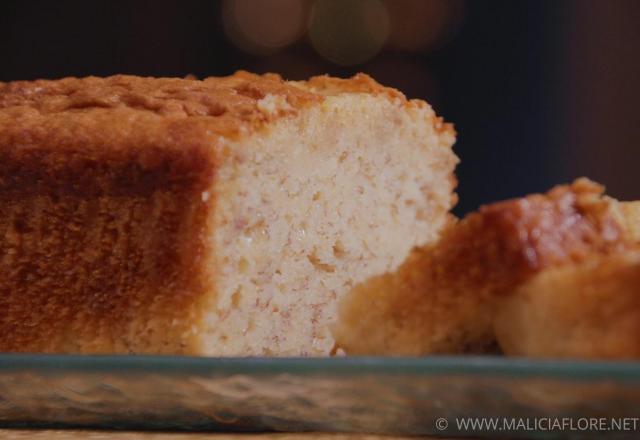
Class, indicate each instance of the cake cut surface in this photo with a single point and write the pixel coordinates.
(218, 217)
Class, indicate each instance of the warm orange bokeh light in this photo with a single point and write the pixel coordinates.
(264, 26)
(421, 25)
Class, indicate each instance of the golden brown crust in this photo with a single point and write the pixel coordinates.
(586, 310)
(125, 119)
(225, 105)
(232, 96)
(441, 299)
(506, 241)
(76, 267)
(104, 230)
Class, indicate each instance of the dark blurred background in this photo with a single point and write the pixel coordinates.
(540, 91)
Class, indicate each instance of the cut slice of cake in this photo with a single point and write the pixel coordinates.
(444, 297)
(218, 217)
(588, 310)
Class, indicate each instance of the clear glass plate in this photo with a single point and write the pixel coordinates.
(351, 394)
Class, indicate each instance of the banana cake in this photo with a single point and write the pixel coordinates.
(223, 216)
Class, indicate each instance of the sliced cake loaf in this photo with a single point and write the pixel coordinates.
(218, 217)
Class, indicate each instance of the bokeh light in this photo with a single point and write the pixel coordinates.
(262, 27)
(421, 25)
(348, 32)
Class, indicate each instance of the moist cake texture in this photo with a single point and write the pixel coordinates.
(220, 217)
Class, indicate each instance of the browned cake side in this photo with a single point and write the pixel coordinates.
(101, 211)
(98, 242)
(443, 297)
(590, 310)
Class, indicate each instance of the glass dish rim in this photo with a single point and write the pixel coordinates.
(480, 366)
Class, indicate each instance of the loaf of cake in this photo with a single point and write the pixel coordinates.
(224, 216)
(444, 298)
